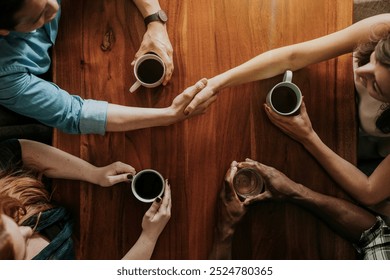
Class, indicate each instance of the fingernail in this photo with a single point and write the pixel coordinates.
(158, 200)
(130, 176)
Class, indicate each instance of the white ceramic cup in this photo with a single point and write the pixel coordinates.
(149, 70)
(147, 185)
(285, 98)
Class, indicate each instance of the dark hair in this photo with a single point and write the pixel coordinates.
(8, 9)
(380, 43)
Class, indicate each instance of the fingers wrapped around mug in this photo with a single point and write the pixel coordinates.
(298, 127)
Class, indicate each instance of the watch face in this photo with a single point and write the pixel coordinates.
(162, 15)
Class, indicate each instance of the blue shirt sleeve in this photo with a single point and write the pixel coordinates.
(25, 56)
(44, 101)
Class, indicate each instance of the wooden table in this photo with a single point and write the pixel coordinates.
(96, 43)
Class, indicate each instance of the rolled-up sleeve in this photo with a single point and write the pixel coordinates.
(93, 117)
(44, 101)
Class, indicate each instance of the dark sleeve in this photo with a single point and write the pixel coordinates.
(10, 155)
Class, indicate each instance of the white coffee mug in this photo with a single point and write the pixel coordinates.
(285, 98)
(149, 70)
(147, 185)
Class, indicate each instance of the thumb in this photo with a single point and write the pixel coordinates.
(261, 168)
(115, 179)
(303, 107)
(260, 197)
(153, 209)
(192, 91)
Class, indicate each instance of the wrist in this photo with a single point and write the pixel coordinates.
(169, 116)
(148, 238)
(156, 25)
(299, 193)
(310, 141)
(224, 234)
(159, 16)
(93, 176)
(216, 83)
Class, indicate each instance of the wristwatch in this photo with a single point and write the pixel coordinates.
(160, 16)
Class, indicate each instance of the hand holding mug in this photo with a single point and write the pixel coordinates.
(149, 71)
(156, 40)
(158, 215)
(112, 174)
(297, 127)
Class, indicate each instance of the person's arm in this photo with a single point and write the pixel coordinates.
(346, 218)
(156, 37)
(230, 211)
(147, 7)
(55, 163)
(153, 223)
(367, 190)
(122, 118)
(292, 57)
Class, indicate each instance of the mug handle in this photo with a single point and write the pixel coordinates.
(135, 86)
(288, 76)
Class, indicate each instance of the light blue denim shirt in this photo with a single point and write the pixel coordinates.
(23, 56)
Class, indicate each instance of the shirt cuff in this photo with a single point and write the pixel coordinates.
(93, 117)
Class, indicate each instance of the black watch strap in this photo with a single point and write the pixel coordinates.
(160, 16)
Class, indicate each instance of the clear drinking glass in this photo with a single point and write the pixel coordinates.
(248, 182)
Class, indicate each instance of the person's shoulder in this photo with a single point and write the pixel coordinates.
(10, 154)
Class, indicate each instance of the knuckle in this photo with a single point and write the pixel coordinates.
(187, 94)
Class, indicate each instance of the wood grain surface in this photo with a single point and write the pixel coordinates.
(96, 44)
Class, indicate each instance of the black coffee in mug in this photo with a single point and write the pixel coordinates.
(150, 71)
(284, 99)
(148, 185)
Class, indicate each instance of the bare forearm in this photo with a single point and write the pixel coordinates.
(55, 163)
(147, 7)
(275, 62)
(342, 216)
(142, 249)
(294, 57)
(222, 243)
(263, 66)
(121, 118)
(348, 176)
(221, 251)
